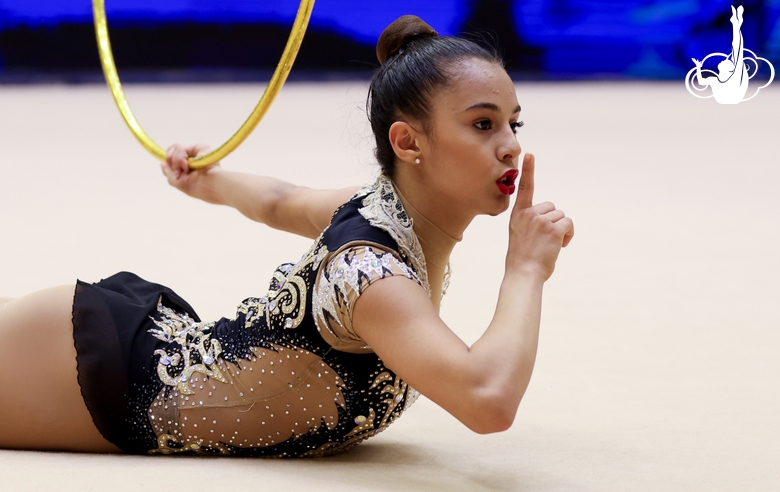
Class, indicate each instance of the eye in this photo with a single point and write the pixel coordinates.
(484, 124)
(516, 125)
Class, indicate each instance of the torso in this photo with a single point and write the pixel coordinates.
(267, 382)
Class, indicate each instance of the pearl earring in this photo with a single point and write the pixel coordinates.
(417, 161)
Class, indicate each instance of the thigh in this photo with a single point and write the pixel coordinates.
(41, 406)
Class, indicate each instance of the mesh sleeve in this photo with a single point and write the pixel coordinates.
(342, 279)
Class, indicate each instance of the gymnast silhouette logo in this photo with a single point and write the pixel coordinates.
(730, 84)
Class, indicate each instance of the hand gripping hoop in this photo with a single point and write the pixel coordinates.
(275, 84)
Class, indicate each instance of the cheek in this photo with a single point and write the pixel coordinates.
(467, 181)
(459, 167)
(472, 163)
(463, 153)
(462, 162)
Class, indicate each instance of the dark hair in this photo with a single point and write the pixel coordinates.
(414, 62)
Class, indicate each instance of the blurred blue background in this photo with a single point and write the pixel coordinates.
(653, 39)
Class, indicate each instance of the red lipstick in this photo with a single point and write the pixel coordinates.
(507, 182)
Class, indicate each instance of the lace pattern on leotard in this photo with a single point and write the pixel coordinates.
(264, 383)
(342, 280)
(383, 209)
(197, 352)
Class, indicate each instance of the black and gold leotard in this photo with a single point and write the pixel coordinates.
(287, 376)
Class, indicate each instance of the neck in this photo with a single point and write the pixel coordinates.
(445, 218)
(437, 244)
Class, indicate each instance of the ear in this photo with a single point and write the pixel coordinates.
(403, 138)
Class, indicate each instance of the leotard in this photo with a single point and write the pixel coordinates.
(287, 376)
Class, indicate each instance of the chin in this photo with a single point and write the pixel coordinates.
(501, 206)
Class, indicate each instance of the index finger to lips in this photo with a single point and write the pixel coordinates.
(525, 187)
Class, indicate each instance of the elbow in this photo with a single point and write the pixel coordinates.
(493, 413)
(492, 427)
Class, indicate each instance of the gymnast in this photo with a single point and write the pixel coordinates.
(343, 340)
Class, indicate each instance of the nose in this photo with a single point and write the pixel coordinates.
(510, 148)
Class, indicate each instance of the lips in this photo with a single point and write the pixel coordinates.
(507, 182)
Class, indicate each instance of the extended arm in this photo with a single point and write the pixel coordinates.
(481, 385)
(274, 202)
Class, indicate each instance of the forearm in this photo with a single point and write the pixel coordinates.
(506, 352)
(252, 195)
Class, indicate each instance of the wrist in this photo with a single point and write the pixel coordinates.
(527, 271)
(207, 186)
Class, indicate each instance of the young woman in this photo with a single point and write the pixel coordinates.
(329, 355)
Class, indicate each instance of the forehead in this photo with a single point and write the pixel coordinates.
(474, 81)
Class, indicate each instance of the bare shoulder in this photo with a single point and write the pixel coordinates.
(307, 211)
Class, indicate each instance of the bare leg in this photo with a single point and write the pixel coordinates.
(41, 406)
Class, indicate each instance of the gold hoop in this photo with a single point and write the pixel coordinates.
(275, 84)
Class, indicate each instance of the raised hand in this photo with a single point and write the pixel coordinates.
(536, 232)
(697, 62)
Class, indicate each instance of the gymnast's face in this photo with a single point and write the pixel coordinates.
(472, 143)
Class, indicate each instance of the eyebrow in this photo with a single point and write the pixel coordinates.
(491, 106)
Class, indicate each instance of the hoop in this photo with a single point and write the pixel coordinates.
(274, 85)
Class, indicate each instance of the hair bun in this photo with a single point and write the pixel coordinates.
(400, 32)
